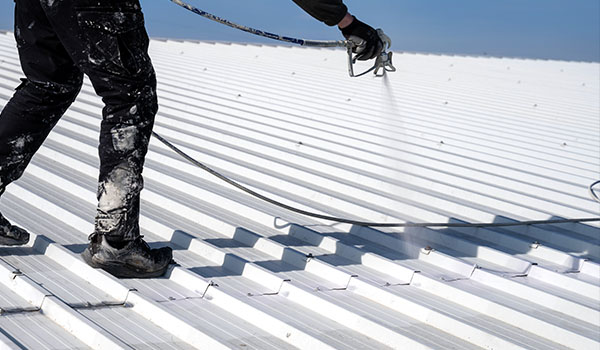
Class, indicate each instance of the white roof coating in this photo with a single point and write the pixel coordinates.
(444, 139)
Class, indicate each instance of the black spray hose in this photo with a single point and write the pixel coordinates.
(303, 42)
(364, 223)
(593, 193)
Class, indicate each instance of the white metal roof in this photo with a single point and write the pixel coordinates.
(446, 138)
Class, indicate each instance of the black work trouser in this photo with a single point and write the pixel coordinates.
(59, 41)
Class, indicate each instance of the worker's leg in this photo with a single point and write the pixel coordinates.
(109, 43)
(111, 47)
(52, 82)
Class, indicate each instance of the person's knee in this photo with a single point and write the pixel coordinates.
(132, 103)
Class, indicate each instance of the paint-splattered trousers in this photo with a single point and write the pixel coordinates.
(59, 41)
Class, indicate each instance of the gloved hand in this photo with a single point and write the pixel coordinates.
(368, 43)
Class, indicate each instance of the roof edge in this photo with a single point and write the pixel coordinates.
(448, 54)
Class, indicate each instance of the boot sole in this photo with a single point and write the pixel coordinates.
(120, 270)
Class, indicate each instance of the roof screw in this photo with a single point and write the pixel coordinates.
(427, 250)
(205, 69)
(446, 102)
(293, 73)
(583, 84)
(519, 82)
(348, 100)
(564, 144)
(449, 79)
(535, 105)
(300, 143)
(16, 273)
(239, 95)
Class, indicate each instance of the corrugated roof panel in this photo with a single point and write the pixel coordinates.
(66, 285)
(135, 331)
(445, 139)
(22, 325)
(34, 331)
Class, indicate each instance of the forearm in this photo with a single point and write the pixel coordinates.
(331, 12)
(366, 40)
(346, 21)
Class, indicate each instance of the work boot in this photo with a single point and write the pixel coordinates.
(12, 235)
(134, 260)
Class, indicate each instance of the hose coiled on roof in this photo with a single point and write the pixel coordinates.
(593, 193)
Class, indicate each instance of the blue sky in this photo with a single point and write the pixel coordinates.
(556, 29)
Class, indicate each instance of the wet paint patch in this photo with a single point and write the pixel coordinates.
(118, 190)
(18, 144)
(124, 138)
(118, 204)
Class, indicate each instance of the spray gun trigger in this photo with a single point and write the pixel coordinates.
(384, 62)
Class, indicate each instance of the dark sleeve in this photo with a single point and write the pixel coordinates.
(329, 11)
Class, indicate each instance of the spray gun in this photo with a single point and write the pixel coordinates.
(383, 62)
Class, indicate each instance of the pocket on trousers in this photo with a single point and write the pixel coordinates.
(115, 41)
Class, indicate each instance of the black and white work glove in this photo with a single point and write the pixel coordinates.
(368, 45)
